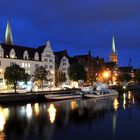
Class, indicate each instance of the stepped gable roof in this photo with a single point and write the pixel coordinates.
(59, 55)
(19, 50)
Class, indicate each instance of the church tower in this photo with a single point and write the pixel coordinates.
(8, 34)
(113, 54)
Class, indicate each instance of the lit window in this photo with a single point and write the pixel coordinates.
(1, 71)
(29, 72)
(23, 65)
(28, 65)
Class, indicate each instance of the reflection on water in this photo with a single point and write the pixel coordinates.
(52, 113)
(116, 104)
(65, 119)
(36, 109)
(29, 111)
(73, 105)
(124, 100)
(4, 113)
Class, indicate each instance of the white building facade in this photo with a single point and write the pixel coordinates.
(27, 58)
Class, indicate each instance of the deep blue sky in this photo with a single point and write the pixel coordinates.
(77, 25)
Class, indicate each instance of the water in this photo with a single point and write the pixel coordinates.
(83, 119)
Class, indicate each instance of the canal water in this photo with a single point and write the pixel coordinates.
(82, 119)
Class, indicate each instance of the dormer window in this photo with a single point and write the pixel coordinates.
(12, 53)
(36, 56)
(25, 55)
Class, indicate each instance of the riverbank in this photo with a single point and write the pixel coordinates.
(28, 97)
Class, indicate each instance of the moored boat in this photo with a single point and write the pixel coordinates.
(64, 96)
(101, 93)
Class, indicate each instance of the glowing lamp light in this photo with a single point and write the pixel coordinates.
(52, 113)
(106, 74)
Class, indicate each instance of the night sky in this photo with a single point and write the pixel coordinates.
(76, 25)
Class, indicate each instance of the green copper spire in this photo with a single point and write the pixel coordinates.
(113, 45)
(8, 34)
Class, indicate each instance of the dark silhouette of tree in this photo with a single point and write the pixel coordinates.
(60, 77)
(124, 77)
(40, 75)
(77, 72)
(14, 74)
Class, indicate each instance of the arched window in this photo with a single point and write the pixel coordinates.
(36, 56)
(25, 55)
(12, 53)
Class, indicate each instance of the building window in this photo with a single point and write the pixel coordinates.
(50, 60)
(1, 71)
(45, 59)
(46, 66)
(64, 60)
(36, 65)
(12, 63)
(48, 55)
(29, 65)
(50, 66)
(23, 65)
(1, 80)
(1, 55)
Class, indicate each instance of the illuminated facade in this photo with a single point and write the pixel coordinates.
(25, 57)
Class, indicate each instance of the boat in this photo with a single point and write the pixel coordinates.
(54, 97)
(101, 93)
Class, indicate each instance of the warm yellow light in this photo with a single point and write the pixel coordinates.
(52, 113)
(129, 95)
(4, 113)
(124, 100)
(73, 105)
(36, 109)
(116, 104)
(106, 74)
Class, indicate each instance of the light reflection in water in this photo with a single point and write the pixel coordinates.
(133, 100)
(124, 100)
(52, 113)
(36, 109)
(73, 105)
(4, 114)
(116, 104)
(129, 95)
(29, 111)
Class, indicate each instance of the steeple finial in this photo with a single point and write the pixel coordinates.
(113, 45)
(8, 34)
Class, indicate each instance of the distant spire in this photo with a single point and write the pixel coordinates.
(113, 45)
(8, 34)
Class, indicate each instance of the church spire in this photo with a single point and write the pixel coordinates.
(8, 34)
(113, 45)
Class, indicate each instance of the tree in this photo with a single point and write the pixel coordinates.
(40, 74)
(77, 72)
(14, 74)
(60, 77)
(124, 77)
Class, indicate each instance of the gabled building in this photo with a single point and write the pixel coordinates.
(62, 63)
(26, 57)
